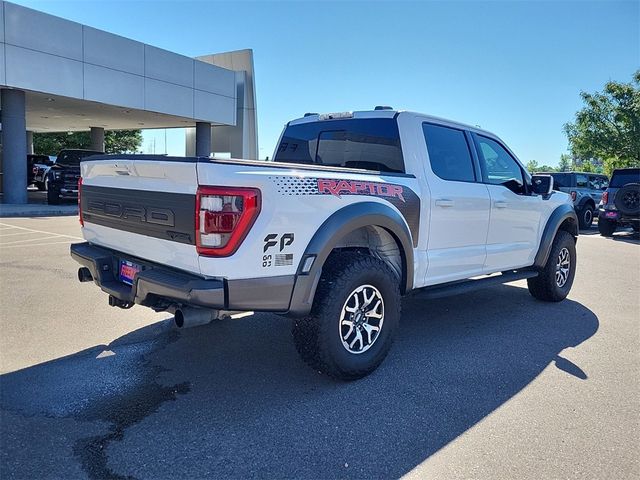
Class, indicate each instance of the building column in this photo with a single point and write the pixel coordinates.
(203, 139)
(97, 139)
(29, 142)
(14, 145)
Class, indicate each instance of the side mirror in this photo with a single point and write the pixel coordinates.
(542, 184)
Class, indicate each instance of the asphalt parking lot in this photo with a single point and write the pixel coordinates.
(491, 384)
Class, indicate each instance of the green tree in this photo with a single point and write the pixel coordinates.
(533, 167)
(606, 131)
(565, 163)
(115, 141)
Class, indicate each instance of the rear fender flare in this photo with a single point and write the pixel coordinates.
(328, 236)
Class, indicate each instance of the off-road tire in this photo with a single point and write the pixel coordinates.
(627, 199)
(606, 227)
(317, 337)
(585, 219)
(544, 287)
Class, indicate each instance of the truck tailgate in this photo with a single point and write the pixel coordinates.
(144, 208)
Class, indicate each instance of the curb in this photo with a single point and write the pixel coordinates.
(37, 210)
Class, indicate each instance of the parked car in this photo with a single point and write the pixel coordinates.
(621, 202)
(345, 220)
(34, 162)
(62, 177)
(586, 191)
(40, 170)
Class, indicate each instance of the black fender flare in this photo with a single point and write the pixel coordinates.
(334, 229)
(558, 216)
(584, 201)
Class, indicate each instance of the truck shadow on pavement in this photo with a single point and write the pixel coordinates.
(232, 399)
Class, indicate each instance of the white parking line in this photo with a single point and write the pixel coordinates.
(14, 234)
(40, 231)
(2, 247)
(22, 242)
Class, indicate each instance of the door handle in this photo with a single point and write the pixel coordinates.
(442, 202)
(500, 204)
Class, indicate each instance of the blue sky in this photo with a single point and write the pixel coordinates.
(513, 67)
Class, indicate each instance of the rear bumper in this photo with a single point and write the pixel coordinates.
(157, 286)
(616, 216)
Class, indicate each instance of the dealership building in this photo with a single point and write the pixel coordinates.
(61, 76)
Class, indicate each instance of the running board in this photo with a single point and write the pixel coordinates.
(465, 286)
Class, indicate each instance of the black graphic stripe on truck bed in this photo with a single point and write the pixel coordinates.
(169, 216)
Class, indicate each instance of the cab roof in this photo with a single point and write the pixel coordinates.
(384, 112)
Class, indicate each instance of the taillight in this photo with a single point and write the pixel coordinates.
(79, 201)
(573, 195)
(224, 216)
(605, 198)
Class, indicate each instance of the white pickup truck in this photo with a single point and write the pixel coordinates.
(356, 210)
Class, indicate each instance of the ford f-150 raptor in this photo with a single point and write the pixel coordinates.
(356, 210)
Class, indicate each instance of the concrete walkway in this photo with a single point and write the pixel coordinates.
(37, 210)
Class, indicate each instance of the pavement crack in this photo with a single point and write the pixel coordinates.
(136, 406)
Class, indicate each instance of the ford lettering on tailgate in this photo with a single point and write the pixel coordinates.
(164, 215)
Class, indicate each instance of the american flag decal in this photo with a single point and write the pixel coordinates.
(284, 259)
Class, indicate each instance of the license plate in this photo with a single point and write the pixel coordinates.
(128, 271)
(611, 214)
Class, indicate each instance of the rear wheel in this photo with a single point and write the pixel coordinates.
(586, 217)
(556, 278)
(606, 227)
(354, 318)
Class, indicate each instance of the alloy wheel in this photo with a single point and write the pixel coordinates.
(562, 267)
(361, 319)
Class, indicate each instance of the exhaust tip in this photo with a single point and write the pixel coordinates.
(84, 274)
(178, 318)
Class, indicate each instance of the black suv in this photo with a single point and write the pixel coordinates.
(64, 174)
(620, 202)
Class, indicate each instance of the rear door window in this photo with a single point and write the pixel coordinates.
(582, 181)
(370, 144)
(449, 153)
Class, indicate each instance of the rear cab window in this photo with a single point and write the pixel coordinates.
(363, 143)
(621, 177)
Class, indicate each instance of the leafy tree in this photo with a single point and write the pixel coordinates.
(565, 163)
(533, 167)
(606, 131)
(115, 141)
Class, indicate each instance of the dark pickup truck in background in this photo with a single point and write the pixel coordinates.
(586, 191)
(62, 177)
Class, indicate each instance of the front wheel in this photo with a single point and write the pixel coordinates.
(52, 197)
(354, 318)
(554, 281)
